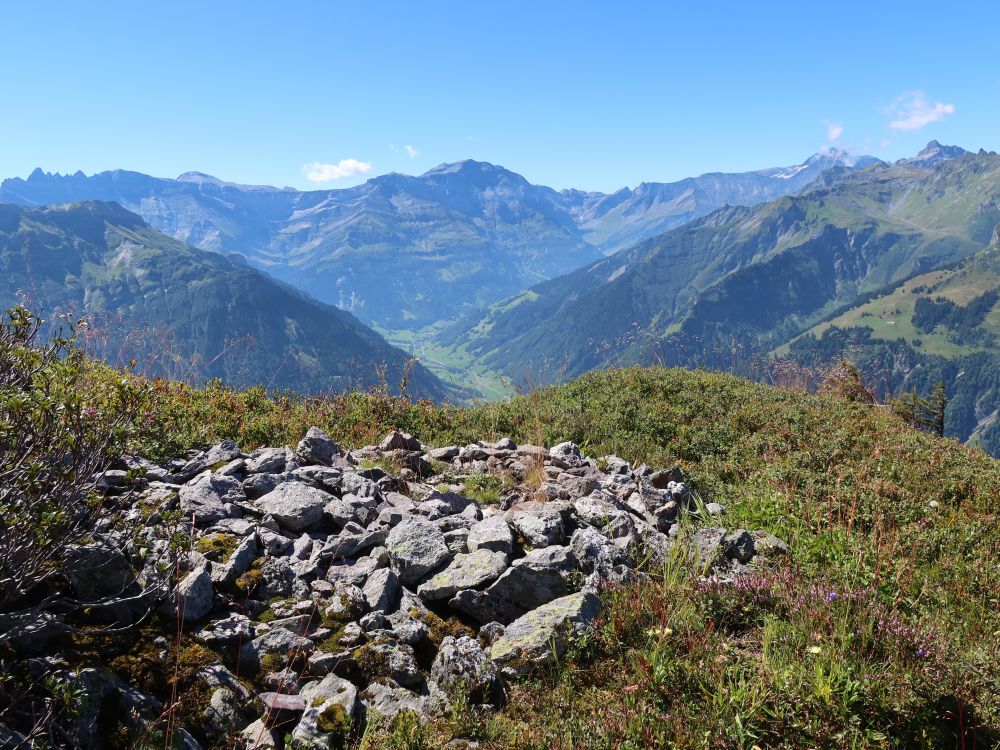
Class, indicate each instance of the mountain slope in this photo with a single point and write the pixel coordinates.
(405, 252)
(744, 278)
(184, 312)
(941, 325)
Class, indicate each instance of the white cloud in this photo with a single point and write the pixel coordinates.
(913, 110)
(412, 152)
(833, 130)
(320, 172)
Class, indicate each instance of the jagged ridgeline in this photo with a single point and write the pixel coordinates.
(186, 313)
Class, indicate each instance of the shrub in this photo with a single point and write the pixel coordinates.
(57, 430)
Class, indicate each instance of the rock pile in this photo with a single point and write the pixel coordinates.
(335, 584)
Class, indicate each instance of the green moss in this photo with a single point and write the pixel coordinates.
(333, 719)
(247, 583)
(271, 663)
(217, 547)
(439, 628)
(331, 644)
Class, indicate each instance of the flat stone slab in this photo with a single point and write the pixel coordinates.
(466, 571)
(543, 634)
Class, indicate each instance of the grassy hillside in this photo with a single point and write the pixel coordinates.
(891, 316)
(882, 629)
(941, 325)
(183, 312)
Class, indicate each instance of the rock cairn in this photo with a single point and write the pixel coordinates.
(333, 585)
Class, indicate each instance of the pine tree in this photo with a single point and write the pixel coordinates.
(936, 404)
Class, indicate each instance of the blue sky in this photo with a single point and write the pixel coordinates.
(587, 95)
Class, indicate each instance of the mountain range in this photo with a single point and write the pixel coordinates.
(492, 274)
(186, 313)
(730, 290)
(405, 252)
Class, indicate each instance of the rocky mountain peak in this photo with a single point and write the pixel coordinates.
(935, 153)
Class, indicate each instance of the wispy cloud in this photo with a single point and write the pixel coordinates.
(320, 172)
(833, 130)
(913, 110)
(410, 150)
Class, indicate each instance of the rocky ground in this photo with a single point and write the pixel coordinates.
(316, 589)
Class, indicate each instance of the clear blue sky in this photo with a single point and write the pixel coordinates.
(570, 94)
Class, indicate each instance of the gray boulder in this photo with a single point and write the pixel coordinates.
(258, 736)
(397, 440)
(194, 596)
(317, 447)
(258, 485)
(542, 635)
(386, 658)
(461, 662)
(348, 546)
(739, 546)
(232, 629)
(276, 579)
(381, 591)
(612, 520)
(210, 498)
(267, 461)
(706, 547)
(416, 549)
(539, 524)
(283, 643)
(330, 707)
(491, 533)
(296, 506)
(566, 456)
(238, 563)
(537, 578)
(595, 552)
(222, 716)
(466, 571)
(354, 573)
(391, 700)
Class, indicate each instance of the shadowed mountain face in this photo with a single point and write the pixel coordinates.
(183, 312)
(741, 281)
(404, 252)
